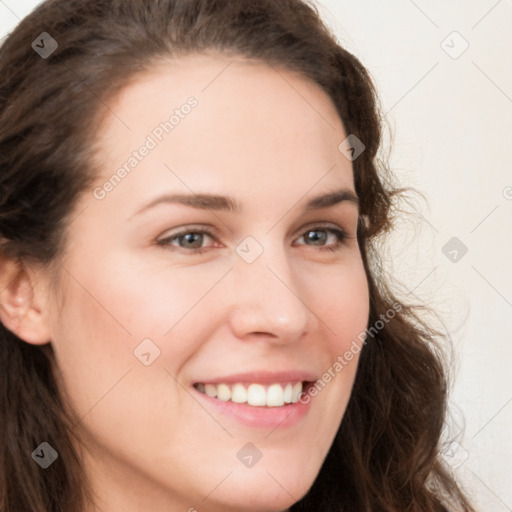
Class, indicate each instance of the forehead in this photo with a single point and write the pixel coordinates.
(230, 82)
(253, 124)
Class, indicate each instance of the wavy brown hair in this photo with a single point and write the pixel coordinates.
(386, 454)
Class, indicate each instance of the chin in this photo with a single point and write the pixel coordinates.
(262, 490)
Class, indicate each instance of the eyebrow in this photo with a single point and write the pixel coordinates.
(229, 204)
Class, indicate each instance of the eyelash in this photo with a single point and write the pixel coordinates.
(340, 234)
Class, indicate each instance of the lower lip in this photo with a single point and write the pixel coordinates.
(259, 417)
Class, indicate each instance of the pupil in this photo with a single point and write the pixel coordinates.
(315, 236)
(189, 239)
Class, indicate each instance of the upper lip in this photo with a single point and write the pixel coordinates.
(263, 377)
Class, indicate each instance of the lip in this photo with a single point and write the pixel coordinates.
(265, 417)
(262, 377)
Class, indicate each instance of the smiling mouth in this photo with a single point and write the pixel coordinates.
(278, 394)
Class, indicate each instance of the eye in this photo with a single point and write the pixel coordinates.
(192, 239)
(319, 234)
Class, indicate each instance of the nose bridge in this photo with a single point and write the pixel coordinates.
(266, 296)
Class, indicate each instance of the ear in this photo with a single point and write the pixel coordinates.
(22, 305)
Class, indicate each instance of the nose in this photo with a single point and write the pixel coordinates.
(267, 299)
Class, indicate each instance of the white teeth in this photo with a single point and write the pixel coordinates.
(223, 392)
(239, 394)
(275, 395)
(210, 390)
(296, 391)
(288, 393)
(257, 395)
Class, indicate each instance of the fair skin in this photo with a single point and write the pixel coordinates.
(154, 441)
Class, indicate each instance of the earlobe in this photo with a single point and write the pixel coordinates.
(20, 306)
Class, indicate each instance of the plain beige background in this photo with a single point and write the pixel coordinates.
(443, 71)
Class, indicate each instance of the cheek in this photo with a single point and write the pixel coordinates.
(108, 311)
(345, 306)
(91, 347)
(345, 311)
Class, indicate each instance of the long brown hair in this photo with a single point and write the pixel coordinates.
(386, 455)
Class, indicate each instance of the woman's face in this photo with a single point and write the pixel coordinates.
(163, 301)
